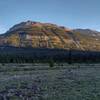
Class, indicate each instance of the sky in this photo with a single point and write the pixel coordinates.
(68, 13)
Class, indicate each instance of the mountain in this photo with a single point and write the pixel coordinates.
(47, 35)
(87, 32)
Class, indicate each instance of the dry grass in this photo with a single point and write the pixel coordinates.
(67, 82)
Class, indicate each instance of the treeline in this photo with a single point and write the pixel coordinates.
(30, 55)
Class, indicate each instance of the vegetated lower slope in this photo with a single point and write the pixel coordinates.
(10, 54)
(46, 35)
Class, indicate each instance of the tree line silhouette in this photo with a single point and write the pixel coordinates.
(35, 55)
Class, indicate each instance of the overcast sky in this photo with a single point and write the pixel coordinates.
(69, 13)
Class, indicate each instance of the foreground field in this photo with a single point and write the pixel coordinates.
(40, 82)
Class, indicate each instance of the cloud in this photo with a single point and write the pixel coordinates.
(2, 29)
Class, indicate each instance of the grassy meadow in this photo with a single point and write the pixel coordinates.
(49, 82)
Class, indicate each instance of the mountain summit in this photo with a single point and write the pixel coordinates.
(47, 35)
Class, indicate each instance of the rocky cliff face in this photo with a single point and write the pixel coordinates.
(46, 35)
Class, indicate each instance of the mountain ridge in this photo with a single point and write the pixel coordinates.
(47, 35)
